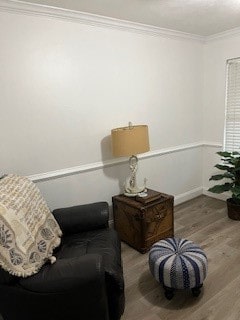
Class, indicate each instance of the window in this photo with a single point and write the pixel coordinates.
(232, 116)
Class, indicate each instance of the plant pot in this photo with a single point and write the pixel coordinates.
(233, 209)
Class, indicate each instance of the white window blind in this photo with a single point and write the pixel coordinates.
(232, 115)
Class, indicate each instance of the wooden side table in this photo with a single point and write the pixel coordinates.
(140, 222)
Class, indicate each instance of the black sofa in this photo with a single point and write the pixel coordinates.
(86, 282)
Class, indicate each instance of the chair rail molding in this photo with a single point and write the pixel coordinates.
(112, 162)
(212, 144)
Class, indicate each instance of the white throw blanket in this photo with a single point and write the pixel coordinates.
(28, 230)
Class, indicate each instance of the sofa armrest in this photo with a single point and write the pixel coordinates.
(83, 217)
(81, 274)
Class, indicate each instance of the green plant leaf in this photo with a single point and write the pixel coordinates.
(236, 190)
(232, 161)
(226, 175)
(224, 154)
(231, 165)
(224, 167)
(237, 165)
(220, 188)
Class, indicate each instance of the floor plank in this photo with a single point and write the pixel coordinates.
(203, 220)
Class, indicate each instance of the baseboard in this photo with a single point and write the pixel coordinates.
(183, 197)
(223, 197)
(111, 225)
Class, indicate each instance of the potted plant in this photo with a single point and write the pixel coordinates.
(231, 172)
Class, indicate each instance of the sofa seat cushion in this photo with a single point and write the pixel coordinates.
(66, 275)
(77, 258)
(104, 242)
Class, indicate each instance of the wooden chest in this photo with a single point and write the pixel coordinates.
(140, 222)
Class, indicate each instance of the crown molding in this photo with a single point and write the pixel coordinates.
(21, 7)
(223, 35)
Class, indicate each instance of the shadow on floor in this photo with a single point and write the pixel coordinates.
(153, 294)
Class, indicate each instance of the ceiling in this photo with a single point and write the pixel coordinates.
(199, 17)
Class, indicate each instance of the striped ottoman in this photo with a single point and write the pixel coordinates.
(178, 264)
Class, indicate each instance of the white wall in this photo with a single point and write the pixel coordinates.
(216, 53)
(63, 87)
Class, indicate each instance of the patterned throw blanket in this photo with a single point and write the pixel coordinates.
(28, 230)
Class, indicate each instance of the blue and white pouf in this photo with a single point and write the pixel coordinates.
(178, 263)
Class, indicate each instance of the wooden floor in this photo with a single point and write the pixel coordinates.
(203, 220)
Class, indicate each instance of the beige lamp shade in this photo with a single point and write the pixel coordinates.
(131, 140)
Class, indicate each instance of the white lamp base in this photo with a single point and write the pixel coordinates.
(130, 194)
(140, 194)
(135, 191)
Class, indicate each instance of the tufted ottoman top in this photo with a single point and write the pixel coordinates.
(178, 263)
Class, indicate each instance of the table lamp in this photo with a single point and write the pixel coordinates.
(130, 141)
